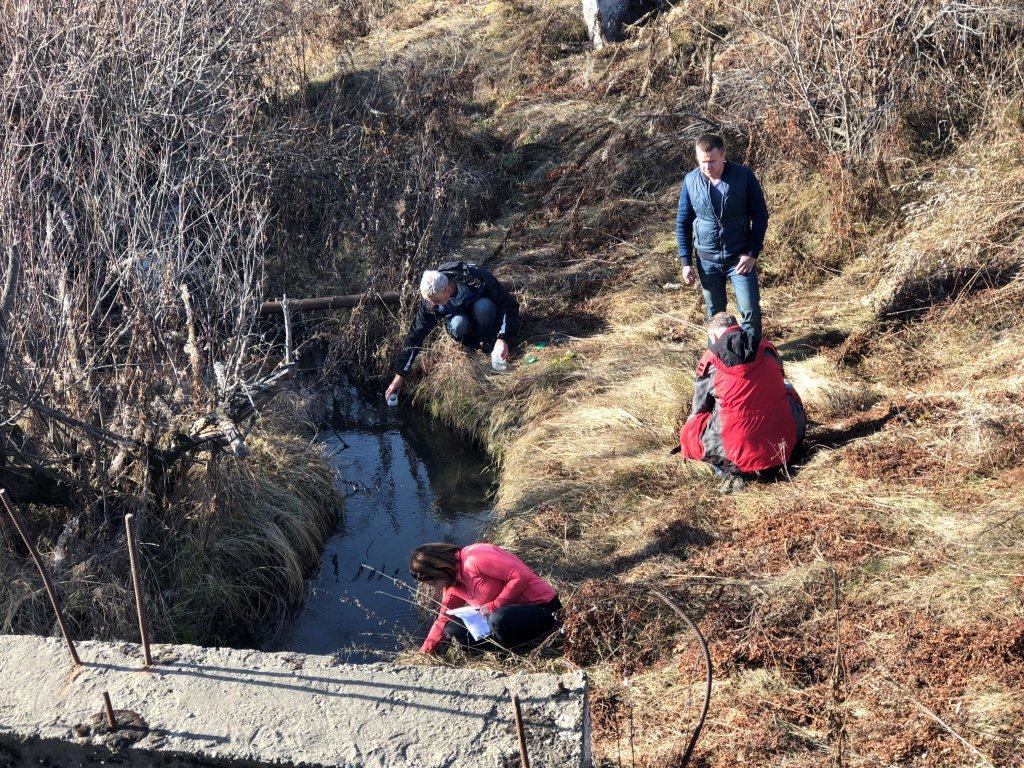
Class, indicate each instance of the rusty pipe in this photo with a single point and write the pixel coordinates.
(328, 302)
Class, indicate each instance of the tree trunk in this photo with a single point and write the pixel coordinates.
(604, 20)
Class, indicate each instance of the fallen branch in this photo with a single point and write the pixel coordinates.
(103, 435)
(223, 427)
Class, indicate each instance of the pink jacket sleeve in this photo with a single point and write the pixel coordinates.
(433, 641)
(500, 566)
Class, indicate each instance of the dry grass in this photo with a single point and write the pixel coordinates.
(223, 563)
(943, 255)
(909, 492)
(265, 518)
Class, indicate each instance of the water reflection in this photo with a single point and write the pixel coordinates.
(408, 480)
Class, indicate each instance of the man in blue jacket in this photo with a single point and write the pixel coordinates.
(720, 225)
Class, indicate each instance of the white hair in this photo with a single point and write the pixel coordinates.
(433, 283)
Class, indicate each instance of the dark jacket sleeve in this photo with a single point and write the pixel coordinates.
(774, 355)
(704, 392)
(508, 307)
(423, 323)
(685, 216)
(757, 208)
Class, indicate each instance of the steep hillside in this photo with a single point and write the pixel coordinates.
(867, 609)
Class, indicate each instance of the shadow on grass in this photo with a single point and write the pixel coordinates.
(557, 328)
(858, 428)
(812, 344)
(823, 438)
(677, 538)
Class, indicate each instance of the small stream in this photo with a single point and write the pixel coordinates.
(408, 480)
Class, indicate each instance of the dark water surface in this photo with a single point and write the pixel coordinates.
(408, 480)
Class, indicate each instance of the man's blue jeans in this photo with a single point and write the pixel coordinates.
(477, 327)
(748, 298)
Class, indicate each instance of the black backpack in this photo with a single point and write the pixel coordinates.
(460, 270)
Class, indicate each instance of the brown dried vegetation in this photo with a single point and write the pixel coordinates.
(908, 363)
(496, 129)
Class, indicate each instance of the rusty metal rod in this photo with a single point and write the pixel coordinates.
(703, 643)
(19, 526)
(108, 709)
(327, 302)
(524, 756)
(140, 608)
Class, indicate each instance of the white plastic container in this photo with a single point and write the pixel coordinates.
(497, 363)
(392, 400)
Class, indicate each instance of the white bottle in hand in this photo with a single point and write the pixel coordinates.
(498, 363)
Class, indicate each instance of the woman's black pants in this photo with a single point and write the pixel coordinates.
(513, 627)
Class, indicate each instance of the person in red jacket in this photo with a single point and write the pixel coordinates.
(521, 608)
(746, 417)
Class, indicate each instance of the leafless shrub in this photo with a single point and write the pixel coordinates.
(134, 192)
(854, 71)
(134, 205)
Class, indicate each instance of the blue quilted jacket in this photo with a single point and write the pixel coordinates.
(719, 235)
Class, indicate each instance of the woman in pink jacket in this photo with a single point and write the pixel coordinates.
(519, 605)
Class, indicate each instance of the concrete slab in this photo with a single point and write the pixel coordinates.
(213, 707)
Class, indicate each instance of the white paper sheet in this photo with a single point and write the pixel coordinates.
(474, 621)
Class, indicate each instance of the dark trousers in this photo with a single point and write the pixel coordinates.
(477, 327)
(513, 627)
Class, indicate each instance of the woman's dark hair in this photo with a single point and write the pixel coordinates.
(434, 561)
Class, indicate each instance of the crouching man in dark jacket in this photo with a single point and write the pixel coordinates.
(475, 308)
(746, 417)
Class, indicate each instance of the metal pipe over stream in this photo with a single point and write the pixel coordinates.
(328, 302)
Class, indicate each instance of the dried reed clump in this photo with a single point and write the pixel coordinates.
(246, 535)
(456, 388)
(224, 562)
